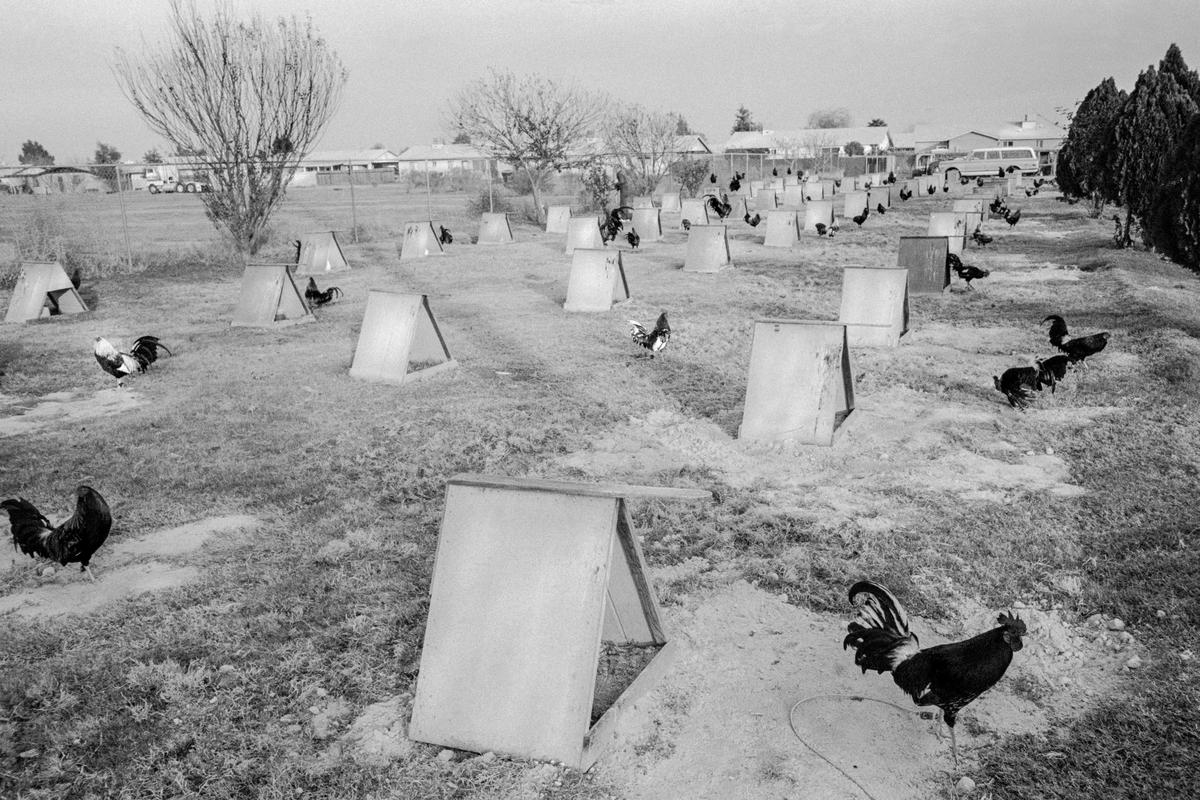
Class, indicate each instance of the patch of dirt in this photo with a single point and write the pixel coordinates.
(123, 569)
(717, 726)
(28, 415)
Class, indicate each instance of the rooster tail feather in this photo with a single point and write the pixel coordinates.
(29, 526)
(879, 634)
(1058, 329)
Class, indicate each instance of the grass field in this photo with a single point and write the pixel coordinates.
(244, 679)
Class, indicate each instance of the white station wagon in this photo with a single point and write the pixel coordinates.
(991, 161)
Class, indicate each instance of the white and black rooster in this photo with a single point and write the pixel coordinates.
(120, 364)
(654, 340)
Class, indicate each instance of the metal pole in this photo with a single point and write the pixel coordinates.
(353, 205)
(428, 202)
(491, 204)
(124, 220)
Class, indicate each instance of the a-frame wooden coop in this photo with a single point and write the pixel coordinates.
(800, 387)
(874, 305)
(925, 259)
(43, 290)
(269, 298)
(707, 249)
(320, 253)
(558, 218)
(597, 280)
(694, 210)
(420, 241)
(400, 341)
(583, 232)
(494, 228)
(783, 229)
(532, 578)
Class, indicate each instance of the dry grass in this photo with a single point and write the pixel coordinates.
(127, 701)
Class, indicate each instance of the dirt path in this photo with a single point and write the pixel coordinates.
(60, 409)
(123, 568)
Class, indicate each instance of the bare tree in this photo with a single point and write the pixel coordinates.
(644, 142)
(247, 97)
(820, 148)
(829, 118)
(531, 122)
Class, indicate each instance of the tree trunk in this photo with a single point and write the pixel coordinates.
(1126, 238)
(534, 178)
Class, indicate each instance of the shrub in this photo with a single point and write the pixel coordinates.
(691, 173)
(597, 186)
(1174, 224)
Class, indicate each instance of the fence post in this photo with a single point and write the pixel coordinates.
(124, 219)
(353, 205)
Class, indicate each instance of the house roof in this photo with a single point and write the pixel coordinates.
(773, 139)
(441, 152)
(904, 140)
(350, 156)
(1029, 129)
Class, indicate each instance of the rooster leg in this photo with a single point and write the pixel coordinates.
(953, 747)
(88, 570)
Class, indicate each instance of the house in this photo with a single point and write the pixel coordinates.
(1044, 137)
(339, 160)
(443, 158)
(49, 179)
(809, 142)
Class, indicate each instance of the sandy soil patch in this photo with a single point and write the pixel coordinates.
(59, 409)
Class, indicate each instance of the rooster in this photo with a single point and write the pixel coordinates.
(775, 172)
(1052, 370)
(1012, 218)
(654, 340)
(880, 208)
(633, 238)
(821, 228)
(948, 676)
(120, 365)
(861, 218)
(735, 185)
(945, 187)
(969, 273)
(891, 178)
(905, 192)
(980, 238)
(315, 297)
(720, 206)
(712, 177)
(444, 235)
(74, 541)
(1076, 349)
(686, 224)
(931, 189)
(1000, 172)
(753, 221)
(612, 224)
(997, 206)
(1014, 383)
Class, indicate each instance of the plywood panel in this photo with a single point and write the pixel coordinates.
(513, 633)
(558, 219)
(41, 286)
(694, 211)
(818, 211)
(880, 194)
(597, 280)
(320, 253)
(783, 229)
(707, 249)
(583, 232)
(647, 221)
(925, 259)
(670, 202)
(494, 229)
(950, 225)
(397, 329)
(874, 306)
(853, 204)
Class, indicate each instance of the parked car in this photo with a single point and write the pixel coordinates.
(991, 161)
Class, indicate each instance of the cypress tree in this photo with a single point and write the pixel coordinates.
(1174, 65)
(1082, 163)
(1175, 219)
(1146, 131)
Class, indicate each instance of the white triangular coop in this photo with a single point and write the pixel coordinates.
(694, 211)
(707, 249)
(269, 298)
(583, 232)
(783, 229)
(420, 241)
(558, 218)
(43, 290)
(874, 305)
(648, 224)
(320, 253)
(951, 225)
(818, 211)
(400, 341)
(800, 387)
(597, 280)
(495, 229)
(534, 581)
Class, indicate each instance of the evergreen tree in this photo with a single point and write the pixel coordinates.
(744, 121)
(1174, 65)
(1082, 162)
(1175, 219)
(33, 154)
(1147, 129)
(878, 122)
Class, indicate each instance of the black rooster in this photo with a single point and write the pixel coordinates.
(931, 189)
(121, 365)
(1000, 172)
(905, 192)
(74, 541)
(861, 218)
(712, 177)
(969, 273)
(654, 340)
(686, 224)
(735, 185)
(821, 228)
(953, 262)
(612, 224)
(720, 206)
(945, 187)
(1052, 370)
(1012, 218)
(775, 172)
(1014, 383)
(633, 238)
(891, 178)
(444, 235)
(1076, 349)
(753, 221)
(315, 297)
(980, 238)
(880, 208)
(997, 206)
(948, 676)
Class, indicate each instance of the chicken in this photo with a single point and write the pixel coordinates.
(1000, 172)
(945, 188)
(775, 172)
(315, 297)
(905, 192)
(720, 206)
(1052, 370)
(948, 676)
(712, 177)
(969, 273)
(612, 224)
(996, 206)
(444, 235)
(633, 238)
(821, 228)
(980, 238)
(861, 218)
(735, 185)
(1076, 349)
(789, 170)
(1038, 182)
(654, 340)
(931, 189)
(74, 541)
(686, 224)
(1014, 383)
(891, 178)
(879, 207)
(753, 221)
(1029, 193)
(953, 262)
(837, 182)
(119, 364)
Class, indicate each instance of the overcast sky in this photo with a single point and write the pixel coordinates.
(908, 61)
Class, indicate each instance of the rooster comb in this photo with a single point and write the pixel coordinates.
(1013, 622)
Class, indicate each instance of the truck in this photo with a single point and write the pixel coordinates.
(159, 178)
